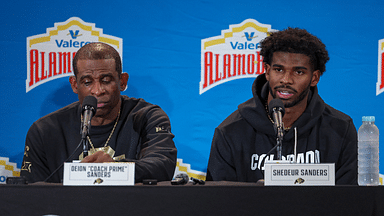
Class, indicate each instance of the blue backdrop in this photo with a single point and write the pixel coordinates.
(162, 54)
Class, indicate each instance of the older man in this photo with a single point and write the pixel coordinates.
(136, 131)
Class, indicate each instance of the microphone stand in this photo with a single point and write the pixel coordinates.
(279, 142)
(84, 133)
(279, 129)
(276, 109)
(89, 109)
(85, 144)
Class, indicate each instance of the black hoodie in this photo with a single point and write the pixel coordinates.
(241, 141)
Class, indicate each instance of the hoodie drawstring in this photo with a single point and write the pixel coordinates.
(295, 149)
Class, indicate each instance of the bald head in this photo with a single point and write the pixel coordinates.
(96, 51)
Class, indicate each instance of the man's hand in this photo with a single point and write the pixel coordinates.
(97, 157)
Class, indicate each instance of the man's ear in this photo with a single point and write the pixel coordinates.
(123, 81)
(72, 80)
(315, 78)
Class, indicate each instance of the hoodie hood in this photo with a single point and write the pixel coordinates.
(255, 113)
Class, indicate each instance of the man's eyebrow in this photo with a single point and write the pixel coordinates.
(85, 77)
(101, 76)
(106, 74)
(109, 75)
(301, 67)
(296, 67)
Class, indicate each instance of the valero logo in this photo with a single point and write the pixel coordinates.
(235, 54)
(49, 55)
(380, 73)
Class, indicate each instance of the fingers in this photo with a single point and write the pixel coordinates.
(98, 157)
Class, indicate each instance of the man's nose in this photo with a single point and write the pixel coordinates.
(97, 89)
(287, 78)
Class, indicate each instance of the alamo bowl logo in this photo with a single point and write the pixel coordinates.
(235, 54)
(49, 55)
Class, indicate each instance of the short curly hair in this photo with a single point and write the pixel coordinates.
(295, 40)
(97, 51)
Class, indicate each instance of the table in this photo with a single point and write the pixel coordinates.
(213, 198)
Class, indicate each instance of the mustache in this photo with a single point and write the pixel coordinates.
(286, 87)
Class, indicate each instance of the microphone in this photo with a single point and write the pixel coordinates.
(180, 179)
(197, 181)
(277, 111)
(89, 109)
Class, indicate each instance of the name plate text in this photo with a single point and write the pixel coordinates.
(292, 174)
(99, 174)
